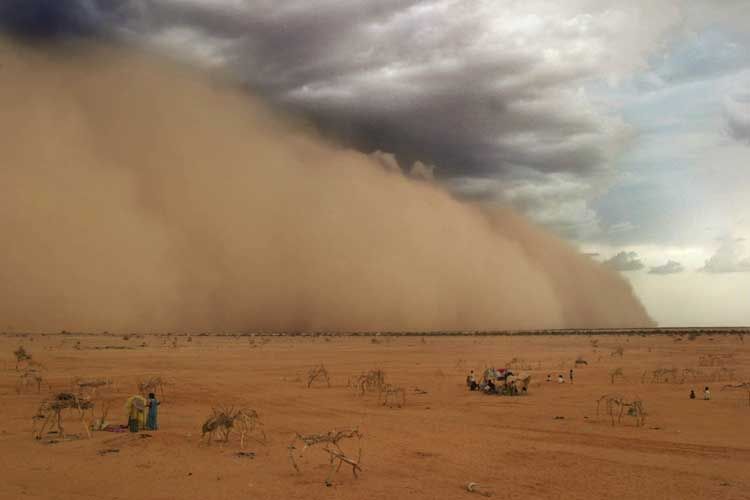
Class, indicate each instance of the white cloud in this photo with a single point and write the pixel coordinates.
(729, 258)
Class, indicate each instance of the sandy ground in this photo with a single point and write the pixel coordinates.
(428, 449)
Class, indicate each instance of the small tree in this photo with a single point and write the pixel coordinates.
(21, 356)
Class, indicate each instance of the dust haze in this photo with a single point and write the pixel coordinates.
(137, 194)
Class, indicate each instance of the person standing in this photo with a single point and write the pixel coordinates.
(135, 406)
(152, 423)
(706, 394)
(571, 375)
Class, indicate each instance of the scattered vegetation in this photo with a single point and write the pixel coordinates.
(372, 381)
(318, 373)
(153, 384)
(50, 412)
(330, 443)
(223, 421)
(617, 406)
(21, 356)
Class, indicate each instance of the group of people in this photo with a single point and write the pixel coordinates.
(143, 413)
(495, 381)
(706, 394)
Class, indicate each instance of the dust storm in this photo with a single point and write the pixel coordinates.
(139, 194)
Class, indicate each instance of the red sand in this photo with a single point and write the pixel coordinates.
(429, 449)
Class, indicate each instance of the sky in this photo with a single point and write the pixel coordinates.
(624, 127)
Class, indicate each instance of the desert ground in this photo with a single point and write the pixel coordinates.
(549, 443)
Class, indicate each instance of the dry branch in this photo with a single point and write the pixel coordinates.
(221, 422)
(318, 373)
(50, 412)
(331, 444)
(617, 406)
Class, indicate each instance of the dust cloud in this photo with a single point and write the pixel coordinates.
(136, 194)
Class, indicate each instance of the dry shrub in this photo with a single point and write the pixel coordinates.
(372, 381)
(617, 406)
(318, 373)
(224, 420)
(50, 412)
(330, 443)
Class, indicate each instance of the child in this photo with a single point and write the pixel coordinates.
(153, 411)
(692, 394)
(471, 381)
(560, 379)
(706, 394)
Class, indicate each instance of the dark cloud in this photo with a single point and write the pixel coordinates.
(737, 111)
(49, 18)
(625, 261)
(494, 96)
(421, 79)
(671, 267)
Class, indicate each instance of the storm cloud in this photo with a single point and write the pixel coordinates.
(482, 91)
(503, 99)
(671, 267)
(737, 110)
(625, 261)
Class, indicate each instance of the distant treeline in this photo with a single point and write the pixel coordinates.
(671, 331)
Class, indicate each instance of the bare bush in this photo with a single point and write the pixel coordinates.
(318, 373)
(153, 384)
(372, 381)
(617, 406)
(661, 376)
(224, 420)
(330, 443)
(22, 356)
(50, 412)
